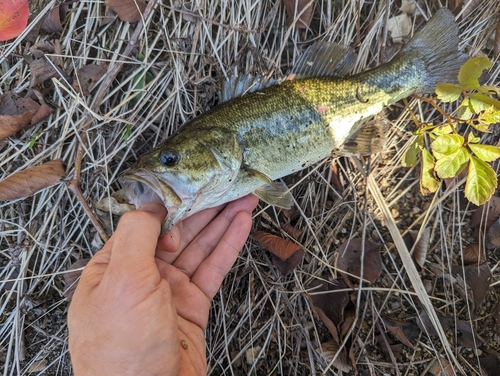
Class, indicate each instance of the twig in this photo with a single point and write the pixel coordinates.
(74, 184)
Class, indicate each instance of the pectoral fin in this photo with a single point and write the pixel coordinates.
(272, 193)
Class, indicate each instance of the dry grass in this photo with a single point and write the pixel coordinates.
(190, 49)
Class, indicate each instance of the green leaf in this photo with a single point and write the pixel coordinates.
(446, 145)
(472, 70)
(471, 139)
(489, 90)
(450, 165)
(448, 92)
(480, 125)
(410, 157)
(481, 181)
(428, 183)
(487, 153)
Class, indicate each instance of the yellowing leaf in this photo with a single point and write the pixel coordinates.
(465, 111)
(410, 156)
(472, 70)
(450, 165)
(448, 92)
(481, 181)
(487, 153)
(13, 18)
(446, 145)
(428, 183)
(490, 90)
(471, 139)
(443, 129)
(481, 102)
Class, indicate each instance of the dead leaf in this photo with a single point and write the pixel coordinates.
(490, 365)
(41, 48)
(477, 278)
(51, 23)
(279, 247)
(441, 367)
(41, 71)
(38, 366)
(13, 18)
(71, 279)
(294, 8)
(329, 350)
(294, 232)
(399, 27)
(111, 205)
(467, 336)
(27, 182)
(421, 248)
(286, 267)
(349, 259)
(127, 10)
(407, 6)
(15, 113)
(87, 77)
(332, 303)
(426, 326)
(406, 332)
(474, 255)
(494, 234)
(491, 209)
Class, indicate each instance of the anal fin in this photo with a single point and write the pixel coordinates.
(369, 139)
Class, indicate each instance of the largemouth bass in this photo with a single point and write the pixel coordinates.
(243, 145)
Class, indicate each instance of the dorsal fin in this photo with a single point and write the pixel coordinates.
(324, 59)
(237, 86)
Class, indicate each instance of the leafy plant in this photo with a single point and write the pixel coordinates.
(445, 153)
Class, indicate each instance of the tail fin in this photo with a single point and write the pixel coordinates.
(437, 45)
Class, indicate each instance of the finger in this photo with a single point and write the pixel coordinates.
(210, 274)
(136, 237)
(171, 241)
(203, 245)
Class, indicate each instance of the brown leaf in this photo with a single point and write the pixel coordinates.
(87, 77)
(41, 48)
(41, 71)
(27, 182)
(294, 232)
(494, 234)
(467, 336)
(294, 8)
(441, 367)
(407, 332)
(324, 296)
(421, 248)
(279, 247)
(15, 113)
(426, 326)
(474, 255)
(490, 365)
(349, 259)
(328, 351)
(491, 210)
(127, 10)
(286, 267)
(51, 23)
(43, 112)
(477, 278)
(71, 279)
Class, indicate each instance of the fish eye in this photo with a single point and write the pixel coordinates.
(169, 158)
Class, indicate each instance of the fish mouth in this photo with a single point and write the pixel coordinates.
(141, 187)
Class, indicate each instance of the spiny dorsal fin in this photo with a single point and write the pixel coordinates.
(370, 138)
(272, 193)
(324, 59)
(237, 86)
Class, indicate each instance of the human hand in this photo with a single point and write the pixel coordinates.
(142, 304)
